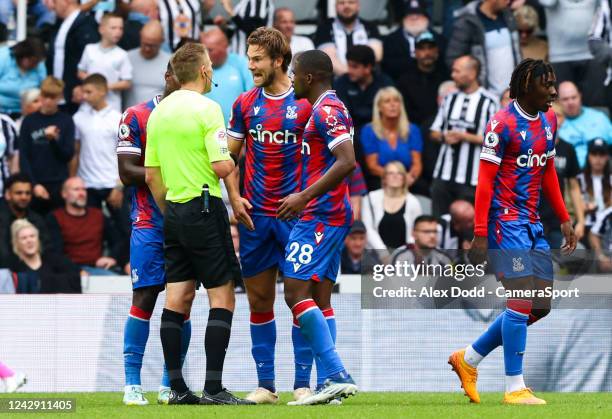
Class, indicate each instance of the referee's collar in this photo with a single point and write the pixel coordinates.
(525, 114)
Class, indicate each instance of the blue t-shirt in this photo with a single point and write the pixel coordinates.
(233, 78)
(587, 126)
(403, 151)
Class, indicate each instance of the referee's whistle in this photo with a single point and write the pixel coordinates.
(205, 198)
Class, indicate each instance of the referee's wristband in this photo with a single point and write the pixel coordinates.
(234, 157)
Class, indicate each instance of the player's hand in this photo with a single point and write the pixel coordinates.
(105, 262)
(115, 198)
(579, 231)
(52, 132)
(241, 207)
(41, 192)
(570, 238)
(478, 250)
(291, 206)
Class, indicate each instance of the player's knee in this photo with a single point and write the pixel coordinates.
(323, 301)
(259, 301)
(145, 298)
(538, 314)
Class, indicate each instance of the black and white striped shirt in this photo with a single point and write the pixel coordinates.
(465, 113)
(8, 147)
(175, 15)
(600, 36)
(249, 15)
(447, 237)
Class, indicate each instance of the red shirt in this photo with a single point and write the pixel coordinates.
(83, 236)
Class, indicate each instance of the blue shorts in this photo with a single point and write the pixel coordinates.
(147, 257)
(264, 247)
(314, 250)
(518, 249)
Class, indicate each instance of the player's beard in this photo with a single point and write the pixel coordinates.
(268, 79)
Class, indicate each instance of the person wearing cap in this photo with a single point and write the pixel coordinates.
(596, 182)
(582, 123)
(400, 45)
(355, 257)
(420, 81)
(487, 30)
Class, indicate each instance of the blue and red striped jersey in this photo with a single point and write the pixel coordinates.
(329, 126)
(133, 141)
(272, 127)
(521, 145)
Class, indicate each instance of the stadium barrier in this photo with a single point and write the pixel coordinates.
(75, 342)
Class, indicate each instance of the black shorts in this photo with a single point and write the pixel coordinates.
(199, 245)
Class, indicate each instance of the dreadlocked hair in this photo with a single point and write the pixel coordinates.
(525, 73)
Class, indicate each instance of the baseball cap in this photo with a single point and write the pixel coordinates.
(357, 227)
(598, 146)
(414, 7)
(424, 37)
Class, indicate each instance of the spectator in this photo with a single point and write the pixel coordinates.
(107, 59)
(336, 36)
(400, 46)
(527, 25)
(67, 44)
(148, 65)
(389, 213)
(446, 88)
(140, 13)
(355, 258)
(459, 125)
(486, 29)
(82, 231)
(37, 270)
(18, 197)
(456, 226)
(21, 68)
(422, 248)
(246, 16)
(595, 182)
(600, 239)
(421, 78)
(8, 150)
(231, 71)
(391, 137)
(567, 167)
(505, 98)
(181, 19)
(582, 123)
(360, 84)
(284, 21)
(46, 142)
(567, 29)
(600, 44)
(96, 142)
(30, 103)
(357, 190)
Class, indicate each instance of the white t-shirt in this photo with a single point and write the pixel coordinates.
(113, 63)
(97, 133)
(300, 44)
(500, 58)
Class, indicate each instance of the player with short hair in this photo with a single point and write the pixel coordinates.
(146, 247)
(313, 252)
(270, 121)
(516, 163)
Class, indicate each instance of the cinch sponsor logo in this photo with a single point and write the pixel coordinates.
(276, 137)
(530, 159)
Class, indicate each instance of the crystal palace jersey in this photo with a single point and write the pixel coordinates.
(329, 126)
(272, 128)
(521, 145)
(133, 141)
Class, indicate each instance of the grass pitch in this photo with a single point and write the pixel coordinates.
(364, 405)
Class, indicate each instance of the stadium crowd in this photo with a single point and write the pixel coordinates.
(420, 97)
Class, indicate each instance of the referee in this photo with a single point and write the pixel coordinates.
(186, 154)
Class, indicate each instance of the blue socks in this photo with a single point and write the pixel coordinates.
(331, 323)
(514, 335)
(316, 331)
(263, 338)
(490, 339)
(185, 339)
(303, 357)
(135, 336)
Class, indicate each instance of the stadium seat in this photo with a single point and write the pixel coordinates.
(425, 203)
(374, 10)
(304, 10)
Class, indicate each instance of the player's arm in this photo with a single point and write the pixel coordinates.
(552, 192)
(131, 172)
(155, 182)
(240, 205)
(129, 151)
(344, 165)
(120, 85)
